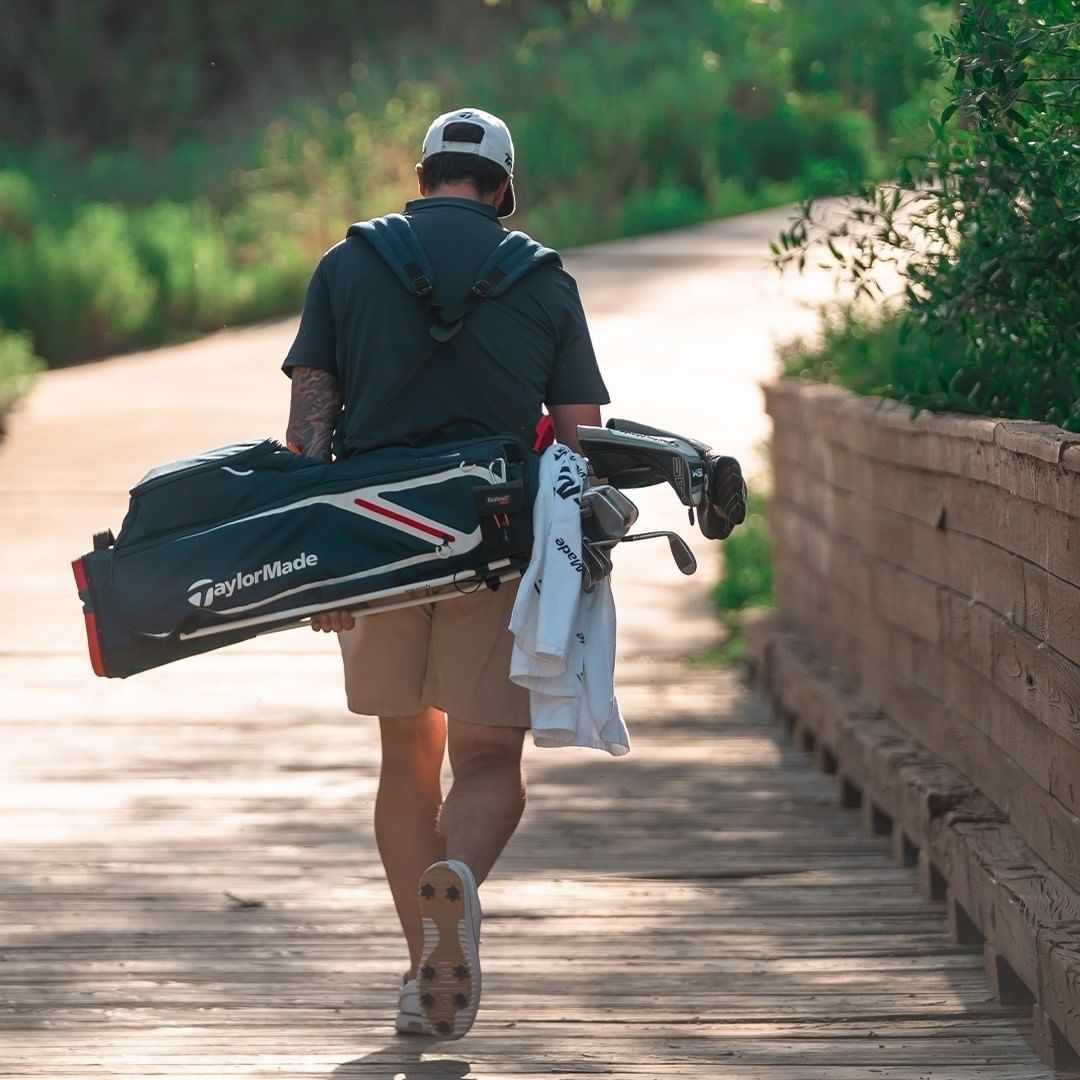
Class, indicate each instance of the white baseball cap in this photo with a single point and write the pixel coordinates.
(493, 143)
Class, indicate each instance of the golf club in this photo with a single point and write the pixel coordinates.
(680, 550)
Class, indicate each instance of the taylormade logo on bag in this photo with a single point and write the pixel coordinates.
(204, 592)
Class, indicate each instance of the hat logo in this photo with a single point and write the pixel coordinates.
(465, 115)
(509, 162)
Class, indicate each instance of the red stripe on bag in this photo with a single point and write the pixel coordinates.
(418, 525)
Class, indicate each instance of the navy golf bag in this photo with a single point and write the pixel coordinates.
(249, 538)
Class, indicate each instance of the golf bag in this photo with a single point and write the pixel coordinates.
(249, 538)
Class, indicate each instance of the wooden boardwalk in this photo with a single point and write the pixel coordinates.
(701, 908)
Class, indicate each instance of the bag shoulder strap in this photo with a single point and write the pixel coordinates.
(393, 238)
(516, 255)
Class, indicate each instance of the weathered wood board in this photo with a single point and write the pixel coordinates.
(1001, 896)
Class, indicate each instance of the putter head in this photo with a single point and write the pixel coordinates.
(630, 455)
(606, 513)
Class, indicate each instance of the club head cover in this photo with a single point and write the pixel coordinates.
(726, 504)
(638, 456)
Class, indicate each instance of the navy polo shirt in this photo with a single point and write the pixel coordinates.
(528, 347)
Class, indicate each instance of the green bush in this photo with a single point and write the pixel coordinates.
(80, 291)
(872, 352)
(668, 207)
(18, 366)
(747, 579)
(184, 249)
(20, 203)
(985, 231)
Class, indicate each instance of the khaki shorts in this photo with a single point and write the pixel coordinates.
(452, 655)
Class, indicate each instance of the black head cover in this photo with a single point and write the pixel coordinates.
(726, 505)
(630, 455)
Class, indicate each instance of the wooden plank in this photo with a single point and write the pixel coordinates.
(1047, 825)
(1014, 587)
(1029, 915)
(1040, 467)
(872, 750)
(1044, 442)
(1036, 677)
(1034, 531)
(1059, 969)
(1052, 1044)
(1050, 760)
(1027, 671)
(981, 858)
(1005, 984)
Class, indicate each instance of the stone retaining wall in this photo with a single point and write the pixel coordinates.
(928, 650)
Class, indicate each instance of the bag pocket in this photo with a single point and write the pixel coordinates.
(505, 518)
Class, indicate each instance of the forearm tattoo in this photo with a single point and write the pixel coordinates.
(314, 412)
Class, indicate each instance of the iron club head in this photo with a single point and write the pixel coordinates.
(680, 550)
(681, 553)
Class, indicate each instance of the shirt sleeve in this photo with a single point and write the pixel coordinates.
(316, 339)
(575, 376)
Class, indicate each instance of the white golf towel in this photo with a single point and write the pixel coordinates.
(564, 639)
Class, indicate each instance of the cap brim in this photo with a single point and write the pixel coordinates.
(506, 207)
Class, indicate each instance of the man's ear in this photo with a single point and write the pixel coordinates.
(420, 182)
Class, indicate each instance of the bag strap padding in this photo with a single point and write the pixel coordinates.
(393, 238)
(517, 254)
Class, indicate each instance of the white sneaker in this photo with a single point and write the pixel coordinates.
(449, 972)
(410, 1020)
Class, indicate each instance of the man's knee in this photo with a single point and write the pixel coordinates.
(411, 738)
(477, 747)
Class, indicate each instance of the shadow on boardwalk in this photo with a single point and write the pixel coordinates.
(700, 908)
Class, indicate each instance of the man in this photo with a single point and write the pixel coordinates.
(437, 676)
